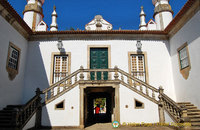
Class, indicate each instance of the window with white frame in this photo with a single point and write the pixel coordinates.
(183, 57)
(138, 66)
(60, 67)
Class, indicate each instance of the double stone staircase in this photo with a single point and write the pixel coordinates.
(9, 118)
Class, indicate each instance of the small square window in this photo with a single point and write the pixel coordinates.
(13, 60)
(60, 105)
(139, 104)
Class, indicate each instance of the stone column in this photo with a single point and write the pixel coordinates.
(117, 103)
(161, 106)
(81, 87)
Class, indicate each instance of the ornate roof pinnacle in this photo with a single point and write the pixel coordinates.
(142, 11)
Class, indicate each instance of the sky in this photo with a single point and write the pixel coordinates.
(77, 13)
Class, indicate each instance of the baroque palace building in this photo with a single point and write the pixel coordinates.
(52, 78)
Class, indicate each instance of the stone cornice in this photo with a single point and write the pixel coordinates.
(184, 15)
(98, 36)
(13, 18)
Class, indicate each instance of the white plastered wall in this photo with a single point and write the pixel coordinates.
(67, 117)
(151, 26)
(187, 89)
(11, 91)
(167, 18)
(28, 18)
(39, 61)
(149, 114)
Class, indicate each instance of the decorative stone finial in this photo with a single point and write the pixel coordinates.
(116, 67)
(142, 11)
(160, 87)
(142, 20)
(54, 25)
(81, 67)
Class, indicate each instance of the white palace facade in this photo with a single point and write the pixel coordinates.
(50, 78)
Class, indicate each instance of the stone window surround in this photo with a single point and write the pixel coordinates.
(145, 60)
(142, 107)
(63, 101)
(12, 72)
(99, 46)
(52, 63)
(184, 71)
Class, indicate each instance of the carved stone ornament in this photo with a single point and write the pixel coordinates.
(162, 7)
(12, 74)
(98, 23)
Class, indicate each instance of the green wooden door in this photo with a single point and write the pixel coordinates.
(99, 60)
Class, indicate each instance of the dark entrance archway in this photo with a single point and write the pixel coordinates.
(92, 93)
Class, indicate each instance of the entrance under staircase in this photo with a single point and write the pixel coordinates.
(102, 98)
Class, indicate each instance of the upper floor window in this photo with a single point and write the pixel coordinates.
(184, 60)
(61, 66)
(138, 66)
(13, 60)
(183, 57)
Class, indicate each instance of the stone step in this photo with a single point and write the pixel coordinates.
(195, 124)
(195, 120)
(5, 114)
(195, 128)
(194, 116)
(2, 111)
(183, 102)
(6, 126)
(186, 104)
(191, 107)
(193, 113)
(193, 110)
(5, 117)
(4, 121)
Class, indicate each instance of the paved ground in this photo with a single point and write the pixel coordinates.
(108, 126)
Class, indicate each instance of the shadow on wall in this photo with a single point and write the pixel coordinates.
(35, 74)
(45, 121)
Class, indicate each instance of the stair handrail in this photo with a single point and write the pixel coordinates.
(61, 81)
(166, 98)
(80, 71)
(175, 111)
(28, 110)
(137, 80)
